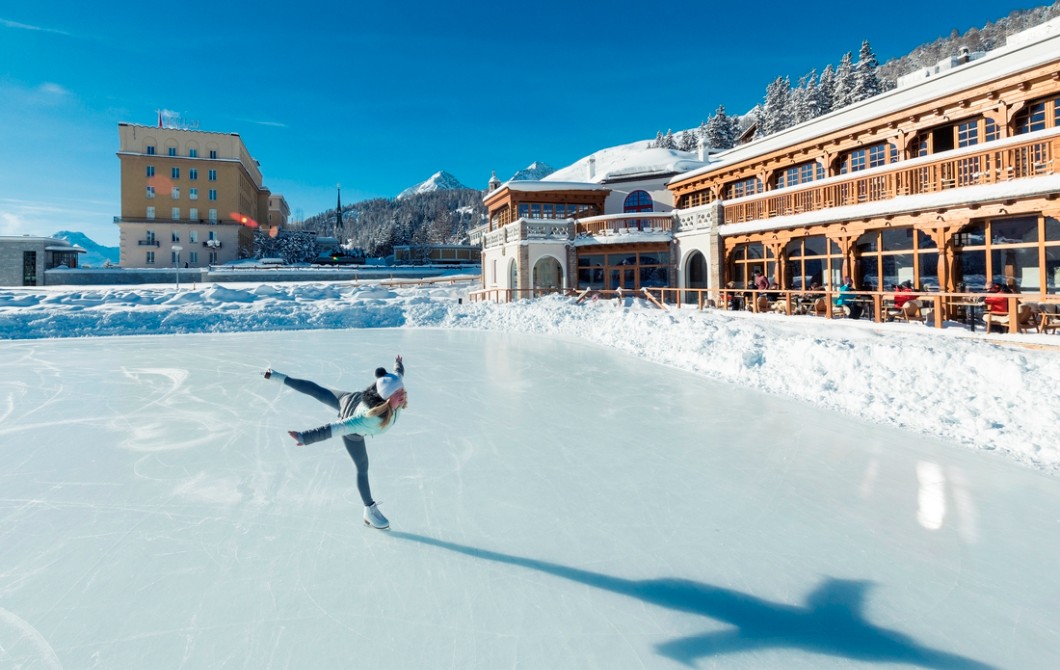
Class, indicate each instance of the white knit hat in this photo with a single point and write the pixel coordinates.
(388, 384)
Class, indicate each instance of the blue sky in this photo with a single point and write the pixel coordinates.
(378, 98)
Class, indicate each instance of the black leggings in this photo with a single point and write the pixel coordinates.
(354, 443)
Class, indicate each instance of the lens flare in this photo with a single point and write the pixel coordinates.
(243, 219)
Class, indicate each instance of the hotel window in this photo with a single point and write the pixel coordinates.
(743, 187)
(193, 236)
(992, 131)
(213, 216)
(193, 257)
(213, 194)
(975, 131)
(813, 259)
(800, 174)
(637, 201)
(1031, 118)
(174, 236)
(150, 150)
(193, 194)
(172, 151)
(193, 174)
(213, 153)
(174, 173)
(150, 170)
(150, 192)
(1019, 252)
(193, 215)
(174, 193)
(150, 258)
(746, 258)
(871, 156)
(194, 153)
(150, 212)
(894, 255)
(175, 213)
(212, 175)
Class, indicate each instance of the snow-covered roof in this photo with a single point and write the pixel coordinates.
(636, 159)
(544, 185)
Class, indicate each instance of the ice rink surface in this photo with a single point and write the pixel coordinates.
(553, 505)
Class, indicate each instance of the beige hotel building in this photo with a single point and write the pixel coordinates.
(190, 198)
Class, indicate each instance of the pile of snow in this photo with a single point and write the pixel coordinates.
(988, 392)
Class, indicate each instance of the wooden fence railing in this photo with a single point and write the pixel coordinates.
(969, 168)
(935, 308)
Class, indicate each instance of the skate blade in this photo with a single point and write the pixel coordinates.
(375, 527)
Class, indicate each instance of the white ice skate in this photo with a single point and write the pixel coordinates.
(374, 518)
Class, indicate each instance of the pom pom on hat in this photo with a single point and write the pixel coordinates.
(387, 384)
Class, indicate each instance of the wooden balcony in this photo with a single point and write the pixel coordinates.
(992, 163)
(617, 224)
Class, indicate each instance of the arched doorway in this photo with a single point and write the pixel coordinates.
(548, 273)
(513, 275)
(695, 275)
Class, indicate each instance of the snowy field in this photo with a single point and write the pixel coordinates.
(572, 487)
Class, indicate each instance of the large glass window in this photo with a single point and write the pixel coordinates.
(746, 259)
(814, 259)
(892, 256)
(1008, 251)
(627, 269)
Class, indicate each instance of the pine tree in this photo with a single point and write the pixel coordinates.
(843, 90)
(825, 90)
(668, 141)
(719, 131)
(866, 83)
(689, 141)
(776, 112)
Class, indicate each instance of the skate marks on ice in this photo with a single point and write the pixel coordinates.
(830, 623)
(22, 645)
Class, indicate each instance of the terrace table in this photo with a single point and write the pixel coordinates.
(970, 307)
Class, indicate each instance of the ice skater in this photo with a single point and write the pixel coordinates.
(369, 412)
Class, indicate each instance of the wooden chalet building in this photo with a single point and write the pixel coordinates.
(949, 181)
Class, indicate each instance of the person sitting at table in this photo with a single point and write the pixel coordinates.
(997, 301)
(731, 297)
(903, 293)
(996, 304)
(847, 303)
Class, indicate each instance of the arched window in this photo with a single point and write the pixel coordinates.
(637, 201)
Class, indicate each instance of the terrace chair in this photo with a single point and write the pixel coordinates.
(1024, 319)
(1048, 317)
(909, 313)
(820, 307)
(762, 304)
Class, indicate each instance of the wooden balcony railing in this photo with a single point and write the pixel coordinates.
(1012, 160)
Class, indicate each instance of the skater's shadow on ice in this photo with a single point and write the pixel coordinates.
(831, 621)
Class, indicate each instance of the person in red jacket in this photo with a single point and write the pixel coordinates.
(997, 301)
(903, 293)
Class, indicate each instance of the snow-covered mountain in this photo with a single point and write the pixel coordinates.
(439, 181)
(97, 256)
(535, 171)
